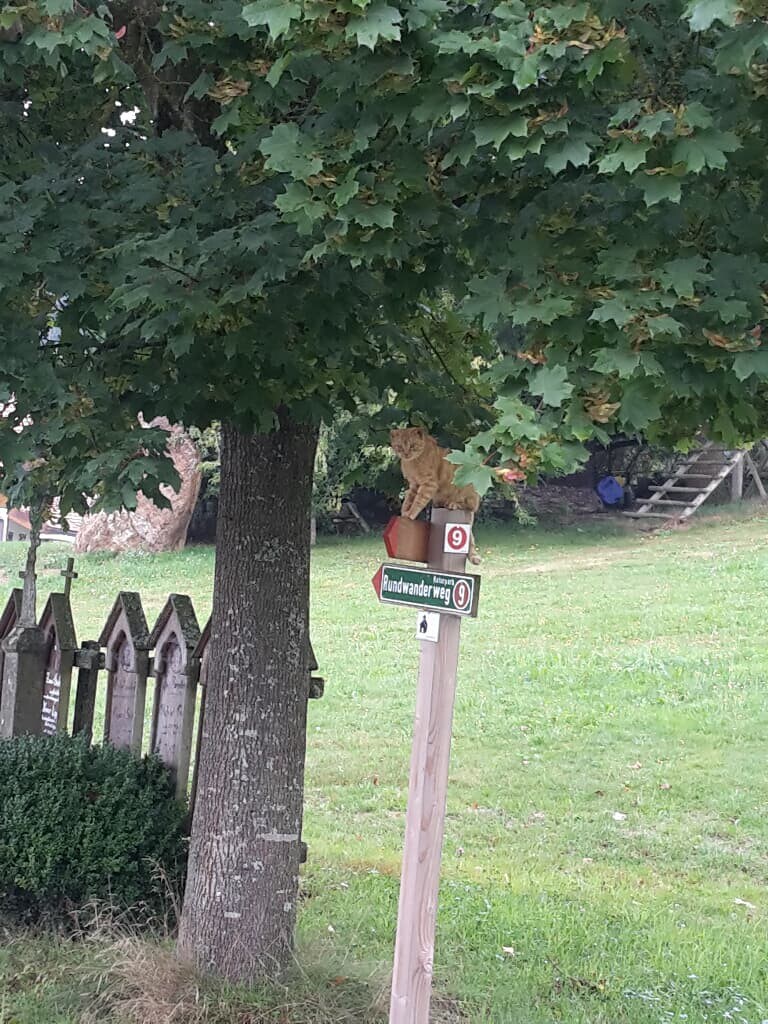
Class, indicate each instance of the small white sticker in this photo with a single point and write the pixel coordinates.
(428, 626)
(457, 537)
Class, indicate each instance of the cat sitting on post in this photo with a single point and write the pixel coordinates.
(430, 478)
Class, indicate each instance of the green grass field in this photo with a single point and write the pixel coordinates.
(606, 850)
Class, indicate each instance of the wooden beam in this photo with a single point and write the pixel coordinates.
(755, 476)
(435, 696)
(737, 480)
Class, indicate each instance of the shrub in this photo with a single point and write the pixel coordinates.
(82, 824)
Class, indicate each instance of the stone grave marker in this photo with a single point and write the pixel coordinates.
(200, 668)
(174, 639)
(58, 628)
(125, 638)
(8, 620)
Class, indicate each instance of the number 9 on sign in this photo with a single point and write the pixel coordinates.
(457, 537)
(462, 596)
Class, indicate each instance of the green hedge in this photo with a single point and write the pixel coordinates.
(80, 824)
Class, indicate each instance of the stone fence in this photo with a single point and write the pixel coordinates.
(42, 667)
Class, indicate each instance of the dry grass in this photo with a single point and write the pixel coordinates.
(139, 981)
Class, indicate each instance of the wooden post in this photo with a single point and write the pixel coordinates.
(420, 879)
(737, 481)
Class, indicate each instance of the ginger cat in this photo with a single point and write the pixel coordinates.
(430, 478)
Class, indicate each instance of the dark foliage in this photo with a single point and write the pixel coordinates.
(85, 824)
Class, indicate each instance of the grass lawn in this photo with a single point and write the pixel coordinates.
(606, 852)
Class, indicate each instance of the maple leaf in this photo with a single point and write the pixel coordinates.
(703, 13)
(706, 149)
(288, 150)
(277, 15)
(681, 275)
(570, 151)
(551, 383)
(380, 21)
(616, 360)
(658, 187)
(496, 130)
(749, 364)
(612, 310)
(629, 155)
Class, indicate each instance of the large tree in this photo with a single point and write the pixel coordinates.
(265, 212)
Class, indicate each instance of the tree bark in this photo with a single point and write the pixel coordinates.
(240, 903)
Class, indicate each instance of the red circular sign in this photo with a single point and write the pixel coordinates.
(457, 538)
(462, 596)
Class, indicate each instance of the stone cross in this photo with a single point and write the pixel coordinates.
(28, 592)
(69, 575)
(58, 629)
(174, 639)
(125, 638)
(89, 660)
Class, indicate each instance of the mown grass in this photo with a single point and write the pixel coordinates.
(606, 845)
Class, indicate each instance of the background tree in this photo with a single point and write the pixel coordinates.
(248, 205)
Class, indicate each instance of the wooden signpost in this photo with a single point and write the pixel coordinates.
(442, 590)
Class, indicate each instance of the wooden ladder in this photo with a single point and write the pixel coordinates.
(712, 466)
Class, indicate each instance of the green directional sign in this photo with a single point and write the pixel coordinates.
(448, 592)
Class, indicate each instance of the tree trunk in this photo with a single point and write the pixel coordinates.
(240, 903)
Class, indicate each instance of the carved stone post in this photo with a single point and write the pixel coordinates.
(58, 628)
(126, 640)
(21, 705)
(174, 639)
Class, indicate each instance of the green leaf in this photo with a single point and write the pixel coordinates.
(54, 8)
(299, 206)
(639, 407)
(347, 189)
(706, 149)
(726, 310)
(551, 383)
(488, 299)
(749, 364)
(472, 472)
(739, 48)
(616, 360)
(564, 15)
(628, 155)
(658, 187)
(663, 325)
(545, 310)
(370, 215)
(496, 129)
(277, 69)
(681, 275)
(380, 21)
(703, 13)
(570, 151)
(612, 310)
(528, 72)
(277, 15)
(287, 150)
(626, 113)
(652, 124)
